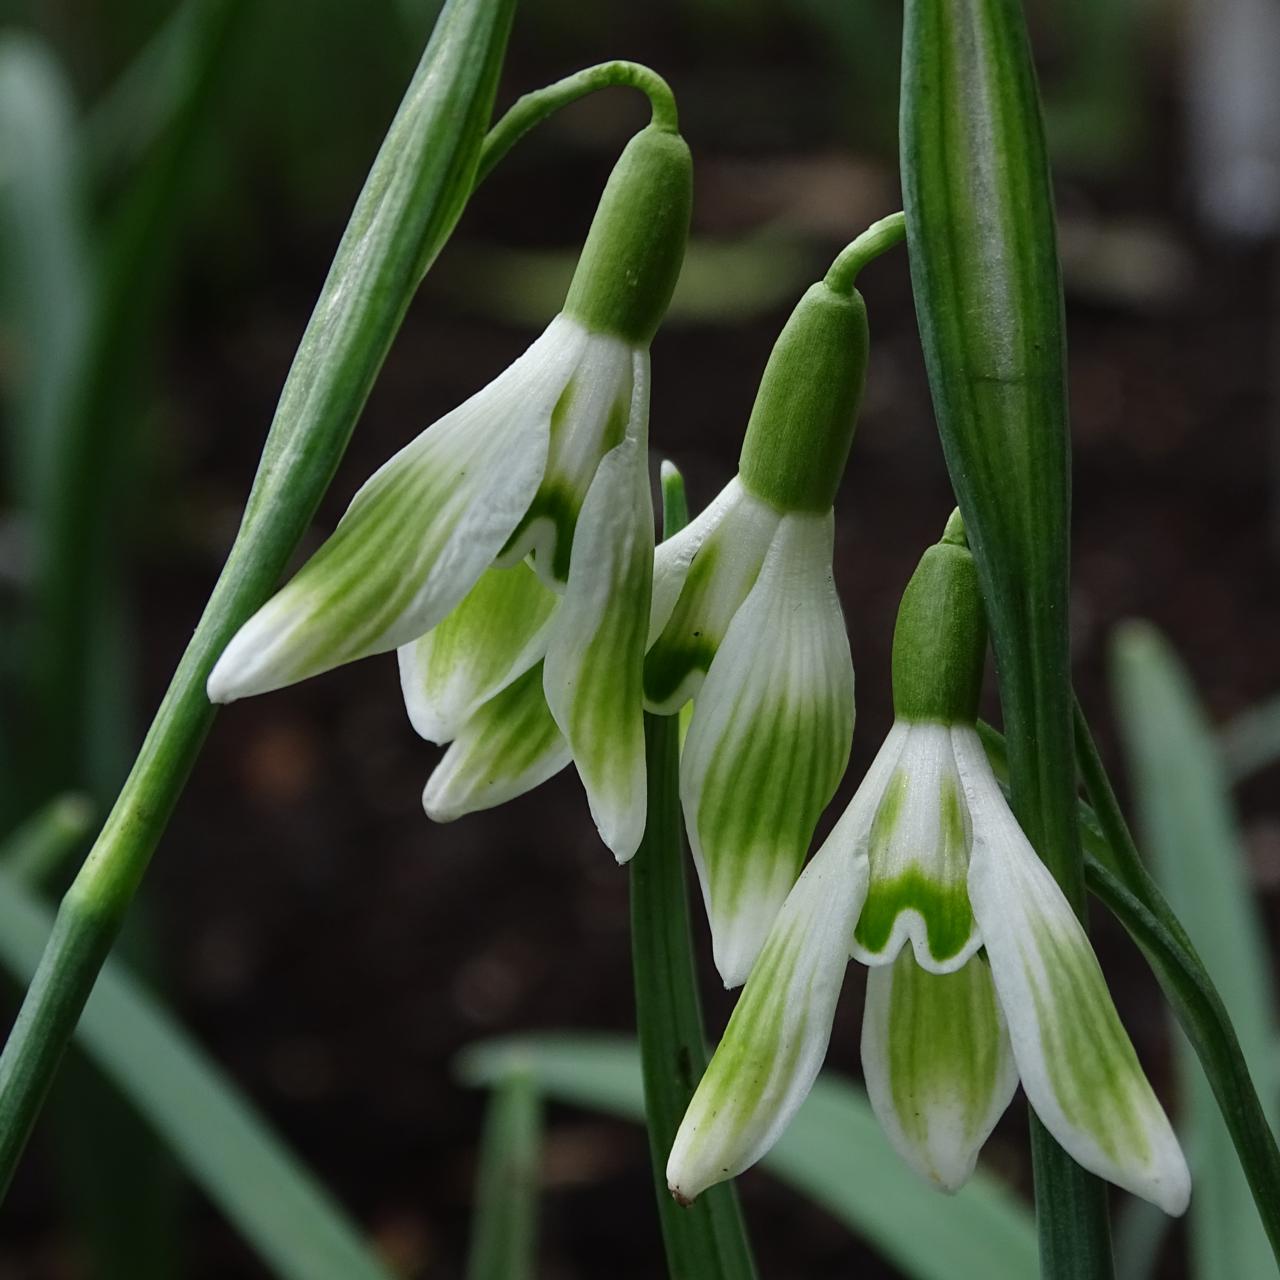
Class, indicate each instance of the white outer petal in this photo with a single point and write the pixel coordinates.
(769, 740)
(507, 747)
(1076, 1062)
(496, 633)
(595, 650)
(777, 1038)
(433, 516)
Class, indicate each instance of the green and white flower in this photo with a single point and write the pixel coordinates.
(747, 623)
(546, 467)
(981, 974)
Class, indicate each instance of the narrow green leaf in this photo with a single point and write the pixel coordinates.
(225, 1145)
(978, 199)
(410, 202)
(505, 1221)
(834, 1152)
(36, 851)
(1185, 815)
(44, 257)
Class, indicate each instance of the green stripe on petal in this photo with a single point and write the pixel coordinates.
(769, 740)
(590, 418)
(496, 632)
(937, 1062)
(509, 746)
(1076, 1061)
(919, 855)
(595, 650)
(777, 1037)
(417, 535)
(724, 557)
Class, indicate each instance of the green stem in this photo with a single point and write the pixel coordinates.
(411, 200)
(533, 108)
(877, 239)
(708, 1239)
(1130, 892)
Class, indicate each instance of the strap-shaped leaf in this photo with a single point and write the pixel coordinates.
(223, 1142)
(834, 1152)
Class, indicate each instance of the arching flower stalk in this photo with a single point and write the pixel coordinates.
(546, 467)
(980, 973)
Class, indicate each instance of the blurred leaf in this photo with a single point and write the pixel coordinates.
(504, 1227)
(37, 850)
(718, 282)
(1185, 815)
(1251, 742)
(834, 1153)
(128, 1226)
(44, 276)
(225, 1145)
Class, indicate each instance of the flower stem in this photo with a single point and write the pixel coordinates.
(410, 202)
(708, 1239)
(876, 240)
(533, 108)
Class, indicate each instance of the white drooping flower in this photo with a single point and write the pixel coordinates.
(981, 975)
(746, 622)
(517, 531)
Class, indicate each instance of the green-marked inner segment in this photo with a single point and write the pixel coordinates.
(686, 643)
(944, 1044)
(573, 455)
(941, 898)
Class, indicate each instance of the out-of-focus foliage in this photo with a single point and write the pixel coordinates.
(1189, 830)
(834, 1152)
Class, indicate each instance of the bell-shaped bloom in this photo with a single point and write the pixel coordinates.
(981, 974)
(746, 623)
(517, 531)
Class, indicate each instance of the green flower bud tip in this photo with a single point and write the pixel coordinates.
(635, 248)
(802, 425)
(940, 640)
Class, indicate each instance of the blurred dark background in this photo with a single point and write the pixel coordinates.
(326, 944)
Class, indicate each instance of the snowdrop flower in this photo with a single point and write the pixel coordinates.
(546, 466)
(746, 621)
(981, 975)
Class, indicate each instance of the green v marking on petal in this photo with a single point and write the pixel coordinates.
(944, 908)
(943, 903)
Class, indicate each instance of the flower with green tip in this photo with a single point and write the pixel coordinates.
(980, 973)
(747, 623)
(517, 531)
